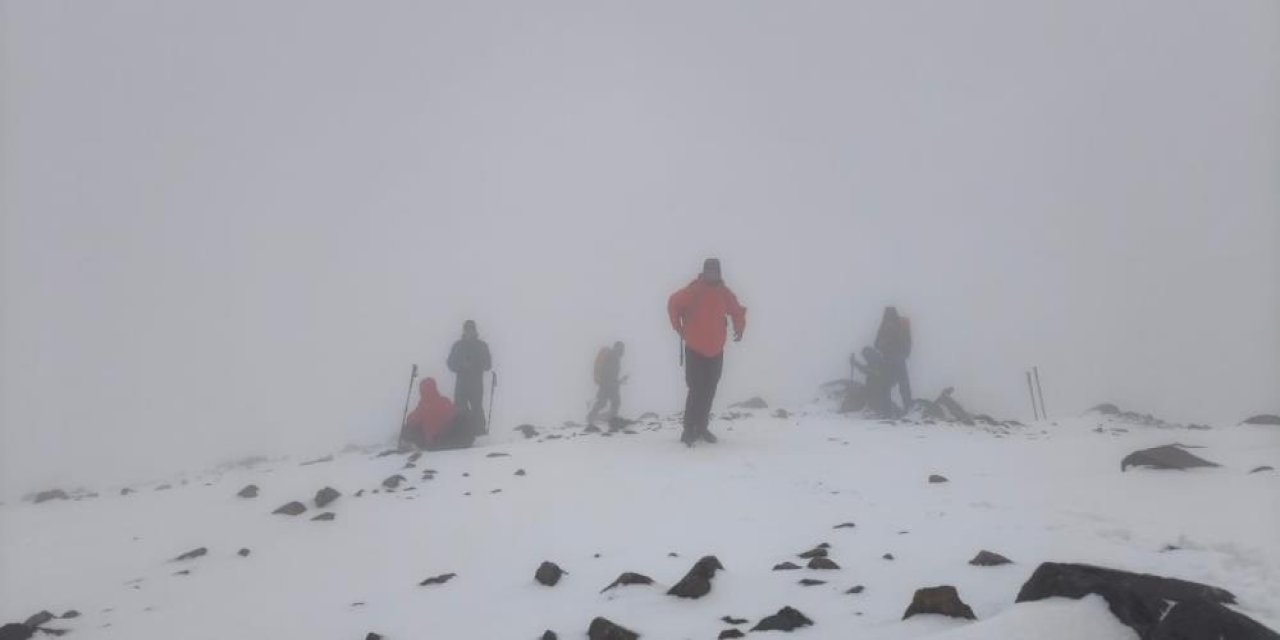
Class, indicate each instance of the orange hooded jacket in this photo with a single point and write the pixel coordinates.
(698, 314)
(433, 412)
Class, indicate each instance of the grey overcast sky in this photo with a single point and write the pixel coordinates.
(229, 227)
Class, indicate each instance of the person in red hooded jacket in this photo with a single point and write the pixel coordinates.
(698, 314)
(434, 424)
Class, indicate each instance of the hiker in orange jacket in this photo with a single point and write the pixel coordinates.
(434, 424)
(698, 314)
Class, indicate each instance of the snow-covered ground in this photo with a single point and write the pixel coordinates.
(599, 506)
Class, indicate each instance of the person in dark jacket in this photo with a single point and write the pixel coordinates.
(469, 359)
(698, 313)
(608, 372)
(875, 393)
(893, 341)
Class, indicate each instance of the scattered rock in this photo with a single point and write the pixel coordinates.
(184, 572)
(816, 552)
(782, 414)
(16, 631)
(244, 552)
(1263, 468)
(325, 517)
(937, 479)
(549, 635)
(498, 454)
(192, 554)
(360, 493)
(810, 582)
(730, 633)
(887, 556)
(989, 559)
(440, 579)
(823, 563)
(70, 615)
(52, 494)
(126, 491)
(856, 590)
(944, 600)
(1106, 409)
(604, 629)
(1206, 620)
(697, 582)
(39, 619)
(786, 566)
(250, 491)
(786, 619)
(1166, 457)
(292, 509)
(164, 487)
(673, 554)
(325, 496)
(845, 525)
(1264, 418)
(393, 481)
(754, 403)
(372, 636)
(415, 456)
(548, 574)
(628, 578)
(528, 430)
(733, 620)
(308, 463)
(519, 472)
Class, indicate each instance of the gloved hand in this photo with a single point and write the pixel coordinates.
(737, 336)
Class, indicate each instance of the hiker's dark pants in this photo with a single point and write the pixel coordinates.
(460, 433)
(468, 396)
(896, 371)
(702, 375)
(610, 393)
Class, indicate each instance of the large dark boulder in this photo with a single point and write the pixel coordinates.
(1137, 600)
(944, 600)
(604, 629)
(786, 619)
(1264, 418)
(1206, 620)
(697, 582)
(16, 631)
(823, 563)
(1171, 456)
(326, 496)
(548, 574)
(627, 579)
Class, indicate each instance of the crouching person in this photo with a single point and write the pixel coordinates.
(435, 425)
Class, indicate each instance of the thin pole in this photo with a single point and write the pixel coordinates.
(1032, 392)
(493, 390)
(1040, 392)
(409, 394)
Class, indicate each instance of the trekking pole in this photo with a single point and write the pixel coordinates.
(404, 419)
(493, 386)
(1040, 392)
(1032, 392)
(681, 352)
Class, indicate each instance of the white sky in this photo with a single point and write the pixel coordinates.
(229, 227)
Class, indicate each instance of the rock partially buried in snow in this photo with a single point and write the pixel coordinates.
(393, 481)
(549, 635)
(440, 579)
(816, 552)
(548, 574)
(1166, 457)
(845, 525)
(39, 619)
(604, 629)
(1263, 468)
(754, 403)
(70, 615)
(326, 496)
(628, 578)
(528, 430)
(733, 620)
(697, 582)
(244, 552)
(520, 472)
(856, 590)
(786, 566)
(52, 494)
(937, 479)
(249, 491)
(192, 554)
(1205, 620)
(16, 631)
(498, 454)
(1264, 419)
(730, 633)
(786, 619)
(810, 582)
(823, 563)
(989, 559)
(292, 509)
(325, 517)
(944, 600)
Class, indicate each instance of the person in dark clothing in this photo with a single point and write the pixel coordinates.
(697, 313)
(608, 370)
(469, 359)
(893, 341)
(875, 392)
(434, 424)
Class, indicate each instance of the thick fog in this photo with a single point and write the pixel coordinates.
(230, 227)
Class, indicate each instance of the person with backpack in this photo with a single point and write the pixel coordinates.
(434, 424)
(893, 341)
(698, 314)
(469, 359)
(608, 370)
(874, 395)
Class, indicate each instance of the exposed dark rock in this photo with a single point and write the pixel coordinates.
(989, 559)
(697, 582)
(548, 574)
(1205, 620)
(845, 525)
(360, 493)
(440, 579)
(549, 635)
(754, 403)
(730, 633)
(816, 552)
(415, 456)
(39, 619)
(292, 509)
(782, 414)
(70, 614)
(785, 566)
(16, 631)
(887, 556)
(250, 491)
(1106, 409)
(810, 582)
(519, 472)
(498, 454)
(856, 589)
(944, 600)
(628, 578)
(372, 636)
(823, 563)
(52, 494)
(184, 572)
(388, 452)
(1137, 600)
(126, 491)
(1166, 457)
(1264, 418)
(325, 517)
(672, 554)
(244, 552)
(786, 619)
(591, 428)
(604, 629)
(325, 496)
(1263, 468)
(192, 554)
(733, 620)
(308, 463)
(164, 487)
(937, 479)
(528, 430)
(649, 415)
(393, 481)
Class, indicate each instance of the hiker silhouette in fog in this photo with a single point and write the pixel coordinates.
(893, 341)
(875, 392)
(434, 424)
(469, 359)
(608, 368)
(698, 314)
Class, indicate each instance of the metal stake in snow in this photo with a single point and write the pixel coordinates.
(409, 394)
(493, 387)
(1032, 392)
(1040, 392)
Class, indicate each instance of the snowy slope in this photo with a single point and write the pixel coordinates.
(771, 489)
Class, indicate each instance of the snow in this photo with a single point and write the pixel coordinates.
(771, 489)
